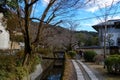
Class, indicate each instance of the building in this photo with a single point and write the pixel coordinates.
(4, 35)
(112, 32)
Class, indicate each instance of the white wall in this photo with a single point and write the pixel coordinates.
(4, 35)
(114, 32)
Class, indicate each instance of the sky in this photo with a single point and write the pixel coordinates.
(88, 16)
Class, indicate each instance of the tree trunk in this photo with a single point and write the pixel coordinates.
(27, 51)
(11, 47)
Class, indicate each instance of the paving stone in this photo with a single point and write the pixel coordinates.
(90, 73)
(78, 71)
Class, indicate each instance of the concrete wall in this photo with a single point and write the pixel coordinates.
(35, 74)
(98, 51)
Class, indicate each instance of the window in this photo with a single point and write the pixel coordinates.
(118, 41)
(1, 31)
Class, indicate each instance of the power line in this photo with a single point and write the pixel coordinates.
(97, 16)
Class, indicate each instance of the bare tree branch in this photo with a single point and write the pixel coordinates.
(42, 19)
(58, 23)
(32, 2)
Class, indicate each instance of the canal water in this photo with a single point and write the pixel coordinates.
(54, 72)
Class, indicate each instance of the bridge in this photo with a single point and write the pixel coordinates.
(58, 55)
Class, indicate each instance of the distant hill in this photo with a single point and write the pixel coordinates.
(86, 38)
(57, 36)
(87, 33)
(53, 36)
(62, 37)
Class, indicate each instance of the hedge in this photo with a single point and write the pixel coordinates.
(89, 56)
(113, 63)
(72, 54)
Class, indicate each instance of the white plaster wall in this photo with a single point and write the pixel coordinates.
(4, 35)
(114, 32)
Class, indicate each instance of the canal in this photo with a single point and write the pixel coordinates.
(53, 72)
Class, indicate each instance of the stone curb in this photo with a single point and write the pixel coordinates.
(90, 73)
(78, 71)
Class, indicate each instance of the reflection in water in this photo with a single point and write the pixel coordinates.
(55, 73)
(54, 77)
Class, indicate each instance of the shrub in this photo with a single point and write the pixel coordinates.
(113, 64)
(20, 72)
(3, 74)
(34, 61)
(99, 58)
(89, 56)
(72, 54)
(7, 63)
(19, 57)
(11, 66)
(114, 50)
(7, 67)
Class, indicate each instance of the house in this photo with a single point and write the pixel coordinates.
(5, 43)
(4, 35)
(112, 32)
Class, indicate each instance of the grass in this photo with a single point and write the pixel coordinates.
(103, 72)
(67, 70)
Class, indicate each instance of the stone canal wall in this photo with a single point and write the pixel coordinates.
(35, 74)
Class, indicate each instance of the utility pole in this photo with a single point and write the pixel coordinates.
(105, 34)
(105, 41)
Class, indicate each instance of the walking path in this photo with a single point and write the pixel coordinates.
(79, 71)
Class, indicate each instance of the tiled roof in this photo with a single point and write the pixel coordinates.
(108, 23)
